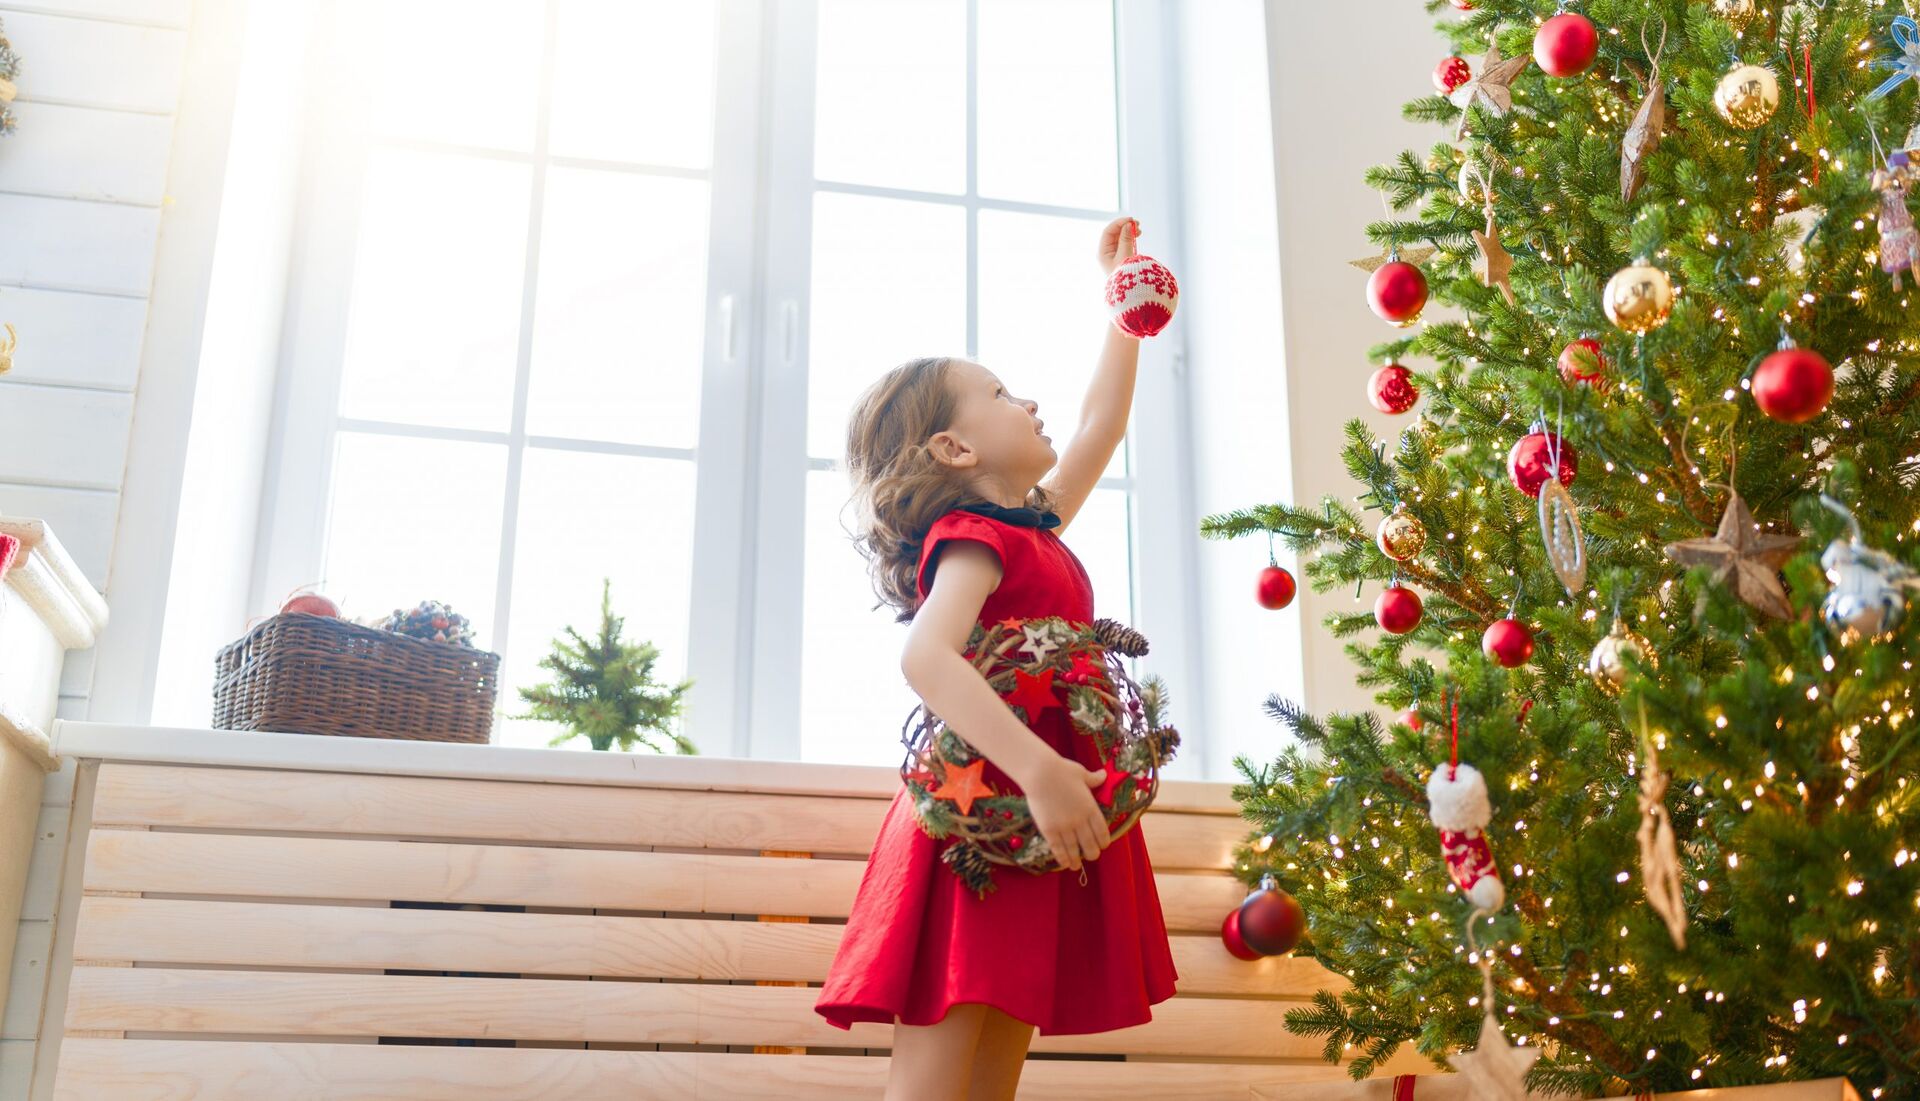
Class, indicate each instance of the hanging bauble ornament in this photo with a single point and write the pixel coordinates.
(1397, 610)
(1584, 362)
(1270, 922)
(1142, 295)
(1473, 185)
(1412, 719)
(1276, 588)
(1535, 457)
(1868, 599)
(1747, 96)
(1737, 13)
(1391, 389)
(1397, 291)
(1401, 535)
(1451, 74)
(1608, 664)
(1649, 122)
(1462, 5)
(1458, 804)
(1638, 298)
(1793, 384)
(1565, 44)
(1561, 535)
(1508, 642)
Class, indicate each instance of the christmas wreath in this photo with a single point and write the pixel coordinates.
(1033, 664)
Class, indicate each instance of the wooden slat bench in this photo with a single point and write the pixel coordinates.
(272, 916)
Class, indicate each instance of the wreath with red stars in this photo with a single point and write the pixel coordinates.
(1037, 665)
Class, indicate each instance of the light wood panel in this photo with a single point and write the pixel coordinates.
(58, 436)
(98, 63)
(87, 153)
(74, 340)
(152, 999)
(189, 933)
(490, 810)
(298, 867)
(170, 1070)
(104, 248)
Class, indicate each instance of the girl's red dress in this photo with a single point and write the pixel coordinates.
(1063, 957)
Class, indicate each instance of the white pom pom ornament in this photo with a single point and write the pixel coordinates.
(1142, 294)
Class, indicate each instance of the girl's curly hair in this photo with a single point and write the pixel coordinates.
(899, 488)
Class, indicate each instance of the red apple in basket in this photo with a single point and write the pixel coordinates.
(310, 604)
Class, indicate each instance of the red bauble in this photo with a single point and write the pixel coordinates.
(1566, 44)
(1463, 5)
(1583, 361)
(1397, 610)
(1531, 461)
(1413, 719)
(310, 604)
(1271, 921)
(1793, 385)
(1391, 389)
(1230, 936)
(1508, 642)
(1451, 74)
(1276, 588)
(1397, 291)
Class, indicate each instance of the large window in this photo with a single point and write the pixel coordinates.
(587, 288)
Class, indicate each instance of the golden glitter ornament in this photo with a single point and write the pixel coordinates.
(1608, 664)
(1747, 96)
(1736, 13)
(1401, 535)
(1639, 298)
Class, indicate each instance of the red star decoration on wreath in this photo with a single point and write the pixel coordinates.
(1032, 694)
(921, 777)
(1011, 623)
(964, 785)
(1084, 669)
(1109, 786)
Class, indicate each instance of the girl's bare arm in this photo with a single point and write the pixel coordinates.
(1109, 400)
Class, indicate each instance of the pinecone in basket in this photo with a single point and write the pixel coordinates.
(1119, 637)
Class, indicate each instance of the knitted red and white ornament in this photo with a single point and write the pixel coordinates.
(1458, 804)
(1142, 294)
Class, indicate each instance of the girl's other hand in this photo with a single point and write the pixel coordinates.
(1065, 813)
(1118, 242)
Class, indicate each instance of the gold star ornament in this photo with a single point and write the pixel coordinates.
(1495, 1069)
(1742, 558)
(1416, 255)
(1491, 89)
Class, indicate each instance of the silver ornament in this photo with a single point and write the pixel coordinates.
(1560, 531)
(1868, 599)
(1609, 664)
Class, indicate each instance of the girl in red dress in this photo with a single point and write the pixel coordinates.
(959, 530)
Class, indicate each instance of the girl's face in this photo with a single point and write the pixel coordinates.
(994, 434)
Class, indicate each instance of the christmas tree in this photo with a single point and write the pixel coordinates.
(1692, 707)
(603, 689)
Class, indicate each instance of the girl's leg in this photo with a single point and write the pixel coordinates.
(930, 1062)
(1000, 1056)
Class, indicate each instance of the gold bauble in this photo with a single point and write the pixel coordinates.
(1737, 13)
(1639, 298)
(1608, 664)
(1747, 96)
(1401, 535)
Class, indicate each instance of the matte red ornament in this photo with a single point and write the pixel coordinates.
(1508, 642)
(1276, 588)
(1391, 389)
(1530, 462)
(1397, 291)
(1142, 295)
(1566, 44)
(1451, 74)
(311, 604)
(1583, 361)
(1793, 385)
(1397, 610)
(1230, 936)
(1272, 921)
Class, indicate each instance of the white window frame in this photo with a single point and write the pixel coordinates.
(751, 462)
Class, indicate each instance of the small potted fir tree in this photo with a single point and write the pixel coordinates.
(603, 689)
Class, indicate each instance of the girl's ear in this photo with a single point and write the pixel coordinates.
(950, 450)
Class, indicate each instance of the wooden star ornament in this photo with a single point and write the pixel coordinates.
(1743, 558)
(964, 784)
(1495, 263)
(1496, 1069)
(1492, 89)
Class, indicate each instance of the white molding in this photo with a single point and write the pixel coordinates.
(27, 737)
(47, 578)
(395, 757)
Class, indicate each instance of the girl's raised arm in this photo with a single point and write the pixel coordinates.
(1109, 401)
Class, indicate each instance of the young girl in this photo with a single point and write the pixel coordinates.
(958, 528)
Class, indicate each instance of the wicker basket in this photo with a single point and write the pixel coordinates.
(308, 674)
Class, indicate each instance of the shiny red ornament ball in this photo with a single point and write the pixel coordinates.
(1397, 610)
(1230, 936)
(1530, 462)
(1451, 74)
(1793, 385)
(1276, 588)
(1272, 922)
(1391, 389)
(1463, 5)
(1566, 44)
(1583, 361)
(1413, 719)
(1508, 642)
(311, 604)
(1397, 291)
